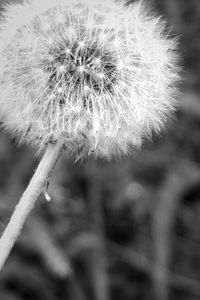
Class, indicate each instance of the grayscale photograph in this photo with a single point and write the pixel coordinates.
(99, 150)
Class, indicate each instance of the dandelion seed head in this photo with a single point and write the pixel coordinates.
(99, 75)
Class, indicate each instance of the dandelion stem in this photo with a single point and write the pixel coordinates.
(28, 199)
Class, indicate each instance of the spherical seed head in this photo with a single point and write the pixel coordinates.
(96, 74)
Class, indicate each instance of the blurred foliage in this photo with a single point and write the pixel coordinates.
(128, 229)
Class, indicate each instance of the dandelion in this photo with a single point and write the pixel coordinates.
(95, 76)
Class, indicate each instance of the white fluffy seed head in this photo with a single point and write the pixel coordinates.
(97, 74)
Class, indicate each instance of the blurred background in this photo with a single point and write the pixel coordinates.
(124, 230)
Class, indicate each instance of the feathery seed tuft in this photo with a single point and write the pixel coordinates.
(97, 74)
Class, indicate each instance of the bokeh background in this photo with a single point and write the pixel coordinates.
(124, 230)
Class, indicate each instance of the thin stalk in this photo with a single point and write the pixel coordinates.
(28, 199)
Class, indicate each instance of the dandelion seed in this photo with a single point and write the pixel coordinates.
(67, 51)
(81, 44)
(120, 65)
(93, 69)
(61, 68)
(101, 75)
(81, 69)
(60, 90)
(97, 61)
